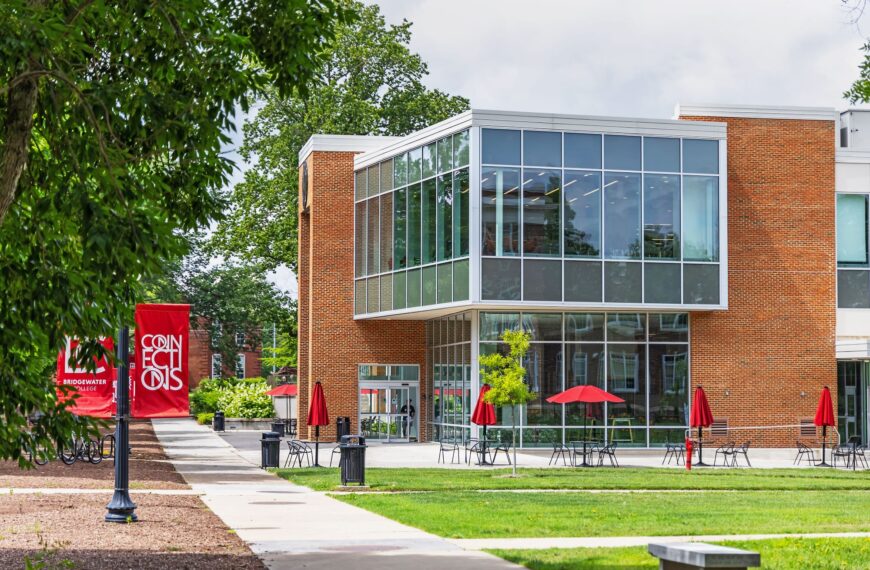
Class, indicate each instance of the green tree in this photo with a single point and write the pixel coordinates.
(370, 83)
(507, 379)
(112, 120)
(859, 92)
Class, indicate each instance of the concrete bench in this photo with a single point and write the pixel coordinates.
(691, 555)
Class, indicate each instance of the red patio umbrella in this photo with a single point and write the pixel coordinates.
(585, 394)
(484, 414)
(824, 418)
(284, 391)
(700, 417)
(317, 416)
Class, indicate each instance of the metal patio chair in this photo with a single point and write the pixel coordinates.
(296, 451)
(674, 451)
(726, 451)
(804, 453)
(608, 451)
(742, 449)
(444, 448)
(559, 450)
(495, 447)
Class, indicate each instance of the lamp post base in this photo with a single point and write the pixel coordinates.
(121, 509)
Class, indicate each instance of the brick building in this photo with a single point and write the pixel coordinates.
(205, 362)
(726, 248)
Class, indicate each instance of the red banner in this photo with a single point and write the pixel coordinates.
(95, 390)
(161, 371)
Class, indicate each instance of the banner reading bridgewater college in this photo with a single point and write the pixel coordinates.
(161, 372)
(95, 390)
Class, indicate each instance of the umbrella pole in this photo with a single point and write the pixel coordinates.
(585, 433)
(824, 441)
(700, 462)
(483, 461)
(317, 446)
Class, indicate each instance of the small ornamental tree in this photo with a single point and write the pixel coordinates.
(506, 377)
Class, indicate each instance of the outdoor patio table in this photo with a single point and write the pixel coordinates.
(588, 449)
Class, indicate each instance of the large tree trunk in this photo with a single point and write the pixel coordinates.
(20, 107)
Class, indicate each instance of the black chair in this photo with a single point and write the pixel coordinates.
(296, 451)
(674, 451)
(292, 428)
(495, 447)
(559, 450)
(743, 450)
(608, 451)
(726, 451)
(842, 452)
(804, 453)
(448, 447)
(336, 449)
(860, 455)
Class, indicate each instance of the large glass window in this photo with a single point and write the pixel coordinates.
(542, 148)
(400, 220)
(461, 197)
(500, 195)
(852, 230)
(445, 217)
(360, 239)
(701, 218)
(386, 253)
(582, 191)
(414, 217)
(582, 150)
(373, 261)
(501, 146)
(661, 216)
(541, 197)
(622, 216)
(430, 202)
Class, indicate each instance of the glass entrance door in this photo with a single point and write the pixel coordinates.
(851, 400)
(389, 413)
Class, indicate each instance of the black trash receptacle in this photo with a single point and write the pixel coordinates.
(270, 448)
(217, 422)
(353, 459)
(278, 427)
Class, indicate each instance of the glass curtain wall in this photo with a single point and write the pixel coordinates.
(642, 358)
(448, 356)
(853, 269)
(598, 218)
(411, 223)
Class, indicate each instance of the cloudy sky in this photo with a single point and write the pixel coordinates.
(633, 58)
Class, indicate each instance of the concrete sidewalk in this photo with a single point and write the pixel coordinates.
(289, 526)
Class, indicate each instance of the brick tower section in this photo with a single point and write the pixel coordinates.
(331, 343)
(765, 360)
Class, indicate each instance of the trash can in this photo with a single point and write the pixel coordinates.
(270, 448)
(342, 427)
(278, 427)
(217, 422)
(353, 459)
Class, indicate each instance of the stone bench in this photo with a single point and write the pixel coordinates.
(691, 555)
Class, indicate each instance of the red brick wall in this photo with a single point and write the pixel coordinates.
(331, 343)
(774, 348)
(199, 359)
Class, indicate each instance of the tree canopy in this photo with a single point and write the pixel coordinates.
(112, 120)
(369, 83)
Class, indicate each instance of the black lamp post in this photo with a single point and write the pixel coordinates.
(121, 508)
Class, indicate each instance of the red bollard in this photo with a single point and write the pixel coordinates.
(688, 454)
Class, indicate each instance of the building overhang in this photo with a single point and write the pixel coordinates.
(756, 111)
(343, 143)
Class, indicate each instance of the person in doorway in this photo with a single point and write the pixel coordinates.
(408, 413)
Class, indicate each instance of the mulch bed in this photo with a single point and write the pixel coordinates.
(149, 468)
(172, 532)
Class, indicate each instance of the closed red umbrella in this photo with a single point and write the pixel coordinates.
(484, 415)
(700, 417)
(824, 418)
(585, 394)
(317, 416)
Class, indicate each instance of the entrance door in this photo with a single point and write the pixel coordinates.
(389, 413)
(851, 401)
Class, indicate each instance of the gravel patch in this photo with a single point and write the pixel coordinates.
(149, 468)
(172, 532)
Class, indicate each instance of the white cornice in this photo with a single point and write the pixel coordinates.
(343, 143)
(851, 156)
(756, 112)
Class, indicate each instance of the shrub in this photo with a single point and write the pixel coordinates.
(204, 418)
(246, 400)
(204, 401)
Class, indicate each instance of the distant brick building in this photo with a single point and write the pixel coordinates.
(204, 362)
(726, 248)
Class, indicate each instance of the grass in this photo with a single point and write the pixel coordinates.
(381, 479)
(504, 515)
(777, 554)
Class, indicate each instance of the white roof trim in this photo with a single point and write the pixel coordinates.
(851, 156)
(343, 143)
(756, 111)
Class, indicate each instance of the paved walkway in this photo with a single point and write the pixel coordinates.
(614, 541)
(289, 526)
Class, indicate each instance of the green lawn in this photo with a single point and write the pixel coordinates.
(325, 479)
(779, 554)
(469, 514)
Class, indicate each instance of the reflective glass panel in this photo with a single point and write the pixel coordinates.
(500, 146)
(583, 281)
(386, 253)
(400, 221)
(414, 218)
(661, 155)
(360, 239)
(373, 249)
(661, 216)
(359, 184)
(400, 170)
(584, 327)
(621, 152)
(415, 164)
(445, 217)
(429, 221)
(542, 280)
(445, 154)
(460, 149)
(661, 283)
(445, 283)
(460, 280)
(429, 160)
(852, 230)
(541, 196)
(853, 289)
(500, 196)
(626, 378)
(543, 364)
(582, 191)
(374, 180)
(622, 282)
(414, 288)
(542, 148)
(622, 216)
(700, 284)
(701, 218)
(582, 150)
(543, 326)
(669, 327)
(669, 384)
(700, 156)
(500, 279)
(399, 295)
(493, 325)
(386, 175)
(584, 365)
(626, 327)
(461, 197)
(430, 285)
